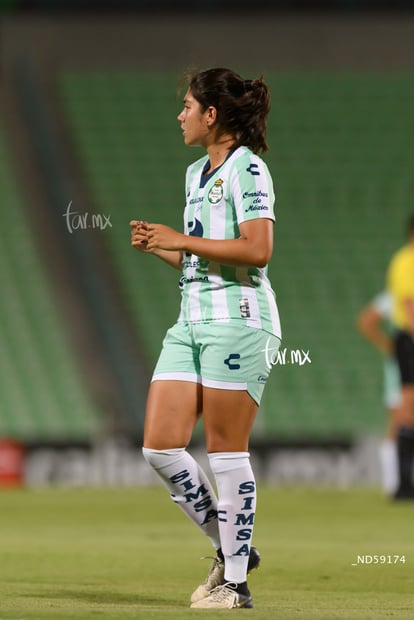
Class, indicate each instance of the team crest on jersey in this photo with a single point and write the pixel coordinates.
(216, 192)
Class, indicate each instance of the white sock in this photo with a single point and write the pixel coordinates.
(388, 456)
(189, 487)
(236, 509)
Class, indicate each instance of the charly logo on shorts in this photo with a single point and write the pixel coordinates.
(231, 357)
(216, 192)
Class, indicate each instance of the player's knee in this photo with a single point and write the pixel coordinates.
(224, 443)
(158, 459)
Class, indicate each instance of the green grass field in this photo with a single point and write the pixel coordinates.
(130, 553)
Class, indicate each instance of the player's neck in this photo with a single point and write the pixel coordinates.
(218, 152)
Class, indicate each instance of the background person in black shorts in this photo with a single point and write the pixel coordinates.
(374, 322)
(400, 281)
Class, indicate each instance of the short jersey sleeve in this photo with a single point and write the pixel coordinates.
(251, 187)
(382, 303)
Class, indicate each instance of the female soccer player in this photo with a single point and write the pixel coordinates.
(216, 359)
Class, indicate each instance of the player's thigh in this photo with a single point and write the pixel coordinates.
(173, 402)
(235, 357)
(172, 412)
(228, 417)
(235, 363)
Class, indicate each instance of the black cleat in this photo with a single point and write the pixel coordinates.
(254, 560)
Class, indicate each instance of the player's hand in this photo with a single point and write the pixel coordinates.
(139, 232)
(161, 237)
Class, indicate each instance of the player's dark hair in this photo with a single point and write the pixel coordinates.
(242, 105)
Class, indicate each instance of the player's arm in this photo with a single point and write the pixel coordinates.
(139, 240)
(369, 324)
(409, 306)
(174, 259)
(253, 248)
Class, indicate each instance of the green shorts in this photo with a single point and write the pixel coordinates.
(227, 356)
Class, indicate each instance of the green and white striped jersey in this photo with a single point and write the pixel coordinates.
(240, 189)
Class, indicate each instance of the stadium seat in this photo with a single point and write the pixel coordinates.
(42, 395)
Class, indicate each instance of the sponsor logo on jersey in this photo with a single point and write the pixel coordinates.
(244, 308)
(253, 170)
(184, 280)
(258, 194)
(216, 192)
(256, 208)
(257, 201)
(195, 228)
(190, 263)
(195, 201)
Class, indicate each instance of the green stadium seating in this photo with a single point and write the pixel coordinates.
(42, 395)
(341, 158)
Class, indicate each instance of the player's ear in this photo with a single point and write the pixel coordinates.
(211, 115)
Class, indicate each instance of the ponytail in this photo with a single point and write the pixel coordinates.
(242, 105)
